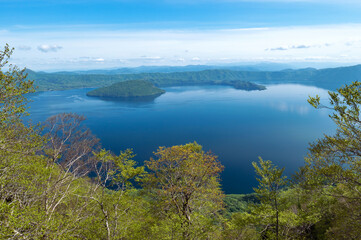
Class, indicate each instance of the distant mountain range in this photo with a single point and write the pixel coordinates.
(168, 69)
(329, 78)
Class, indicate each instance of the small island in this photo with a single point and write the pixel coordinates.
(128, 90)
(244, 85)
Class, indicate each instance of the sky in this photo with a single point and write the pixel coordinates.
(99, 34)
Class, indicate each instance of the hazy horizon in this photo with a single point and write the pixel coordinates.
(273, 66)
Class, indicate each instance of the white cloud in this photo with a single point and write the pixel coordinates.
(49, 48)
(151, 58)
(122, 48)
(289, 47)
(300, 47)
(278, 49)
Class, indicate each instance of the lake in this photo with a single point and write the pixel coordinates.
(238, 126)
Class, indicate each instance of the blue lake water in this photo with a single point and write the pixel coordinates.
(238, 126)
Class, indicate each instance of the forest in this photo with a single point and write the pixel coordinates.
(330, 78)
(63, 81)
(128, 89)
(57, 182)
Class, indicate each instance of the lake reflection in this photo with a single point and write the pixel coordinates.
(236, 125)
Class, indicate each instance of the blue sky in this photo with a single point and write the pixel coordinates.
(179, 14)
(81, 34)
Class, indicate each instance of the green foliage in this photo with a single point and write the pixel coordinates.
(18, 143)
(13, 86)
(239, 202)
(184, 185)
(128, 89)
(14, 135)
(271, 182)
(117, 171)
(334, 164)
(325, 78)
(281, 213)
(117, 212)
(59, 81)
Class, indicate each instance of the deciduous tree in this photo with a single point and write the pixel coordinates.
(334, 164)
(184, 183)
(271, 181)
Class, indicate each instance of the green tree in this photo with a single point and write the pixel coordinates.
(184, 185)
(271, 181)
(283, 211)
(333, 167)
(117, 205)
(14, 135)
(38, 199)
(21, 172)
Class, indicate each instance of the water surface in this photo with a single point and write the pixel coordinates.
(238, 126)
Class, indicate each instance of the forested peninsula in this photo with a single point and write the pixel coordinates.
(127, 90)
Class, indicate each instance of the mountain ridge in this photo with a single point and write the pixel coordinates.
(328, 78)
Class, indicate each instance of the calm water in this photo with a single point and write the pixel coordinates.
(236, 125)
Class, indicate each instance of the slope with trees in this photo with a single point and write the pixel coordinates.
(331, 78)
(128, 89)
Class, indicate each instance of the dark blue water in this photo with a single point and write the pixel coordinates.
(238, 126)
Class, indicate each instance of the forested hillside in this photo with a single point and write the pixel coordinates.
(331, 78)
(56, 182)
(128, 89)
